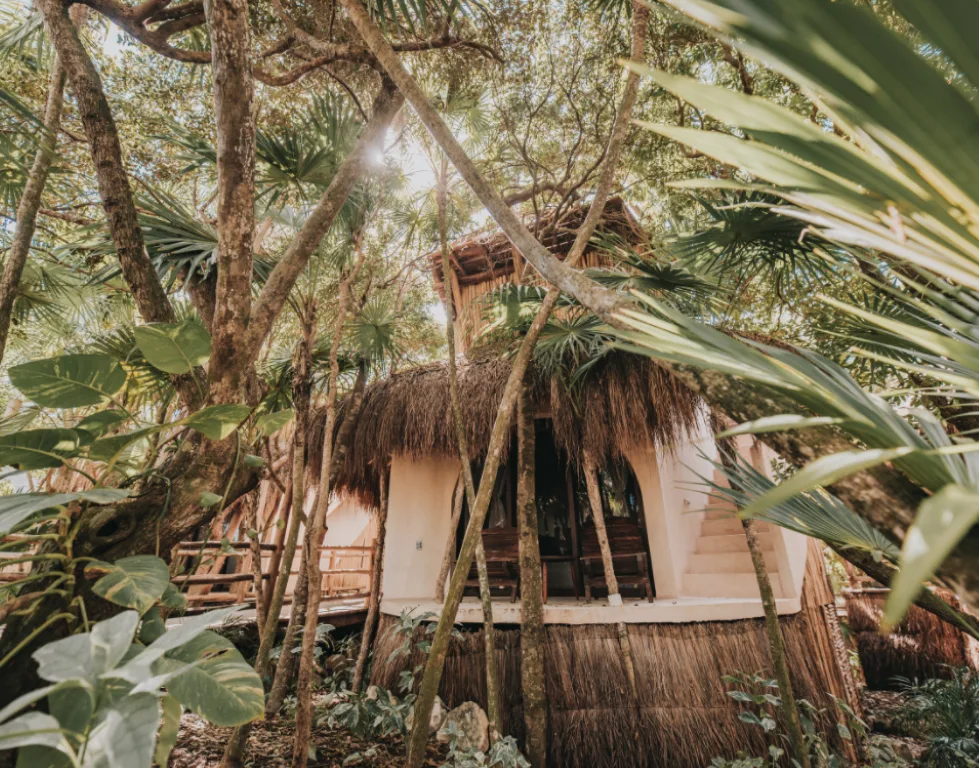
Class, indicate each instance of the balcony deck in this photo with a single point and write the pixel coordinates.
(568, 610)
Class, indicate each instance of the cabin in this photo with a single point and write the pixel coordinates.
(690, 603)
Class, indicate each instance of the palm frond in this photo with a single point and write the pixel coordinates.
(746, 240)
(373, 333)
(23, 33)
(818, 513)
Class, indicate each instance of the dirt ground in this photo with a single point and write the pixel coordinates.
(200, 745)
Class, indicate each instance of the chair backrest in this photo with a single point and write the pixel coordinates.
(624, 538)
(501, 544)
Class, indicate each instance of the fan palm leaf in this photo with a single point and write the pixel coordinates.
(818, 513)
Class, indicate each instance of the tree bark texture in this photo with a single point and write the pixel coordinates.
(450, 543)
(316, 530)
(30, 201)
(114, 190)
(231, 71)
(531, 591)
(462, 445)
(374, 604)
(286, 663)
(790, 709)
(302, 362)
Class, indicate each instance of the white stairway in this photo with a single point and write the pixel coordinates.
(720, 565)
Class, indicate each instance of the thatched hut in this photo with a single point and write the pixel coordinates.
(922, 646)
(693, 615)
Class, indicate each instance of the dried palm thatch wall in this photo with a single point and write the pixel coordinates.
(482, 262)
(684, 716)
(625, 401)
(922, 646)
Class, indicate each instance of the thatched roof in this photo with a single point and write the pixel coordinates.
(920, 647)
(683, 717)
(624, 401)
(489, 254)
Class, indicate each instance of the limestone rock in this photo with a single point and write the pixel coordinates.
(471, 727)
(901, 751)
(434, 722)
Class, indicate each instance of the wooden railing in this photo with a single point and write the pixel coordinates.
(225, 574)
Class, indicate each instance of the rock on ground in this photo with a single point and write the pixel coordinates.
(436, 719)
(470, 725)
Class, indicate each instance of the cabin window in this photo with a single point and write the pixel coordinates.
(564, 520)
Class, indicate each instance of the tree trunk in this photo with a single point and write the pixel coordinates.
(377, 570)
(593, 296)
(302, 362)
(773, 628)
(450, 543)
(531, 592)
(316, 531)
(440, 642)
(231, 72)
(614, 598)
(286, 663)
(462, 445)
(598, 517)
(114, 191)
(30, 201)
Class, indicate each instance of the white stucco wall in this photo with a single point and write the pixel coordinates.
(346, 521)
(420, 506)
(419, 510)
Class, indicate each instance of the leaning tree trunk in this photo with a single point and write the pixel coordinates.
(30, 200)
(531, 591)
(462, 445)
(286, 663)
(773, 628)
(597, 301)
(316, 531)
(302, 362)
(377, 570)
(614, 598)
(450, 542)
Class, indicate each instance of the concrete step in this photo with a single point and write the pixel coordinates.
(717, 512)
(729, 562)
(727, 526)
(733, 542)
(719, 479)
(743, 585)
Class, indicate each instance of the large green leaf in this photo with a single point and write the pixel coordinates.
(110, 449)
(14, 510)
(270, 423)
(101, 422)
(174, 347)
(941, 523)
(217, 421)
(220, 686)
(69, 381)
(135, 582)
(41, 448)
(90, 655)
(33, 729)
(126, 737)
(139, 667)
(167, 739)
